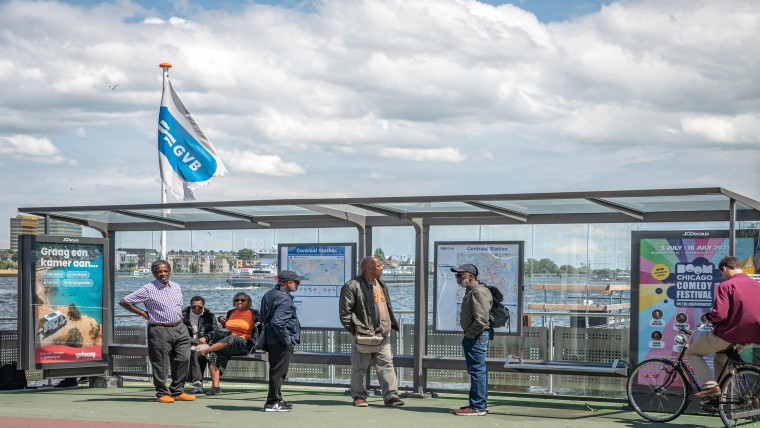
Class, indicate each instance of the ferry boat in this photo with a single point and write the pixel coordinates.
(256, 276)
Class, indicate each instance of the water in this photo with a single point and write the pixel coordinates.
(215, 290)
(218, 295)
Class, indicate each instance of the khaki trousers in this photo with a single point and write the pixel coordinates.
(707, 344)
(386, 375)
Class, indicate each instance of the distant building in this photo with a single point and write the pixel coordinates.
(144, 257)
(126, 261)
(31, 225)
(198, 261)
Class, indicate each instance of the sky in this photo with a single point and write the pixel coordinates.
(348, 98)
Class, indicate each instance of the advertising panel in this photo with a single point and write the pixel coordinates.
(326, 267)
(499, 264)
(675, 275)
(65, 289)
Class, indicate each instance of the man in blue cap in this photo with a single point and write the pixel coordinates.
(282, 332)
(474, 319)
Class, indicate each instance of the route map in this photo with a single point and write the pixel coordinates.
(319, 270)
(498, 264)
(325, 268)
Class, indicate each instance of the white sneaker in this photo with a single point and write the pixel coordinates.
(198, 390)
(197, 384)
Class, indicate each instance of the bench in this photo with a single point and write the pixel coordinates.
(511, 364)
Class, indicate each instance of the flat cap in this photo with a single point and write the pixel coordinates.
(467, 267)
(289, 275)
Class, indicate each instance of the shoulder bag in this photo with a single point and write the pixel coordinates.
(369, 344)
(261, 341)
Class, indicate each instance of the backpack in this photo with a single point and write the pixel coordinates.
(499, 314)
(10, 378)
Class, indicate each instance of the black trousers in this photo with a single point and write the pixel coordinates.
(198, 365)
(279, 361)
(169, 346)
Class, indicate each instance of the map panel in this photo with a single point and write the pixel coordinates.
(326, 267)
(499, 264)
(319, 270)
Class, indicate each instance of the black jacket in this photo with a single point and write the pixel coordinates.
(206, 327)
(283, 325)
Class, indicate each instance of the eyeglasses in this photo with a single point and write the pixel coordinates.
(197, 307)
(241, 300)
(460, 274)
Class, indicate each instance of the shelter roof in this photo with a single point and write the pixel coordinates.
(621, 206)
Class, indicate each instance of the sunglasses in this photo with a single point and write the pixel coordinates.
(241, 300)
(197, 307)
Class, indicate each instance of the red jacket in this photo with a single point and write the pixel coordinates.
(736, 311)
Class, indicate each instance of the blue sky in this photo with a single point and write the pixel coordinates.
(545, 10)
(340, 98)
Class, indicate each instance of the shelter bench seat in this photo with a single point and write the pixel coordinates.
(512, 363)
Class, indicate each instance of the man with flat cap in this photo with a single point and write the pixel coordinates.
(283, 332)
(474, 319)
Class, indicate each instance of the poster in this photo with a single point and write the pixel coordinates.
(499, 264)
(675, 275)
(67, 295)
(326, 267)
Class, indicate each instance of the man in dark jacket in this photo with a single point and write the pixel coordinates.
(282, 332)
(201, 325)
(365, 310)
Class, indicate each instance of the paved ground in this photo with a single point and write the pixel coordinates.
(241, 405)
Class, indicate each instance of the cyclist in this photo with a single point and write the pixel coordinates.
(736, 319)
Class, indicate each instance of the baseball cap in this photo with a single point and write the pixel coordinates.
(289, 275)
(467, 267)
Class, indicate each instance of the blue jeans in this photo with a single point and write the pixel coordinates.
(475, 356)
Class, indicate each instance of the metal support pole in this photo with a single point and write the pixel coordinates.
(109, 335)
(421, 247)
(365, 241)
(551, 352)
(732, 227)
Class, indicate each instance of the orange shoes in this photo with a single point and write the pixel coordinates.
(185, 397)
(181, 397)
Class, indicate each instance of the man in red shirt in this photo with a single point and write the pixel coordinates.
(736, 317)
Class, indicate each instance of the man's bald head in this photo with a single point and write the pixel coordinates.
(371, 267)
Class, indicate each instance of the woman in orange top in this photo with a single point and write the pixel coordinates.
(241, 323)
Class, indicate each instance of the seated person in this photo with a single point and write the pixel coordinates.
(736, 317)
(241, 323)
(201, 324)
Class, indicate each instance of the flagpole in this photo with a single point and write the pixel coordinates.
(165, 66)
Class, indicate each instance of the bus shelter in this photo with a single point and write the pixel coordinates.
(421, 213)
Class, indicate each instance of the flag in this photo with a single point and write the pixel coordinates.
(187, 159)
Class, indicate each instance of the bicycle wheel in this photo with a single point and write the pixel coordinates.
(657, 390)
(739, 404)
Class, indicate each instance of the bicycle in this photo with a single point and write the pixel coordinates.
(659, 389)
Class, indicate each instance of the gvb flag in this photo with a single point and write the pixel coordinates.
(187, 159)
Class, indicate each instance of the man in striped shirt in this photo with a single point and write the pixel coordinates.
(168, 339)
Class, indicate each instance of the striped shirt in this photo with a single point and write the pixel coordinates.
(162, 301)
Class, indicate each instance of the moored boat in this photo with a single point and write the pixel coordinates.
(256, 276)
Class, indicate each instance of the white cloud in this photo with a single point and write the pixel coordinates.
(28, 148)
(447, 154)
(327, 101)
(249, 162)
(718, 129)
